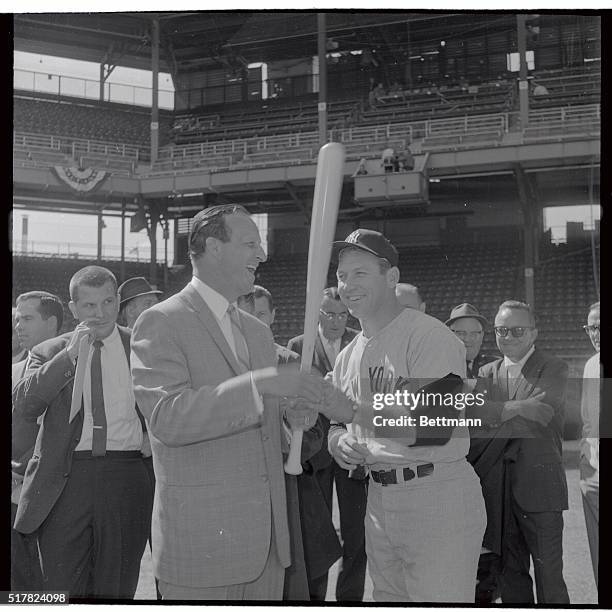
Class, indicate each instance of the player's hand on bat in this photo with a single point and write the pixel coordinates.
(347, 450)
(335, 405)
(299, 413)
(288, 381)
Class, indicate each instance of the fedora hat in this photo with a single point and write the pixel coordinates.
(134, 287)
(464, 311)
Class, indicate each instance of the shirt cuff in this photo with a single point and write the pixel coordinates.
(259, 405)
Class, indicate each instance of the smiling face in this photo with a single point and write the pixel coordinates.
(99, 305)
(30, 326)
(363, 286)
(234, 262)
(469, 331)
(511, 347)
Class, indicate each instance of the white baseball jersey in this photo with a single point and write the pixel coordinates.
(412, 350)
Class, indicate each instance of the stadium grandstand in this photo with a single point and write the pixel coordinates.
(491, 151)
(500, 111)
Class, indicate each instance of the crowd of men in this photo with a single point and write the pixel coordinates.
(174, 425)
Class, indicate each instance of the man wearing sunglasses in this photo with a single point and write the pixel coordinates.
(589, 445)
(524, 414)
(333, 336)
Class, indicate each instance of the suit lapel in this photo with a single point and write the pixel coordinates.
(322, 354)
(207, 318)
(528, 373)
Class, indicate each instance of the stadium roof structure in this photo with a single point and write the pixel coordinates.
(192, 40)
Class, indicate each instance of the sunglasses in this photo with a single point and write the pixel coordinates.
(517, 332)
(591, 329)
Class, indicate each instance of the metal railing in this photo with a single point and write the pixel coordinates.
(61, 85)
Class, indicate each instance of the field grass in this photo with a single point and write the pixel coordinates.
(578, 571)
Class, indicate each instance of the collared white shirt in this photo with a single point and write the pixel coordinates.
(219, 305)
(123, 427)
(589, 409)
(332, 347)
(514, 367)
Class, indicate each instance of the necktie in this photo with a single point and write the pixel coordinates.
(98, 443)
(242, 352)
(469, 365)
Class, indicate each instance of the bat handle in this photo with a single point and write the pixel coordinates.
(294, 463)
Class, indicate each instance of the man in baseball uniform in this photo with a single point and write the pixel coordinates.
(425, 514)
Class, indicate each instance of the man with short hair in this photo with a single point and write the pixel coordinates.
(409, 297)
(38, 317)
(333, 335)
(205, 377)
(469, 326)
(18, 352)
(313, 537)
(425, 514)
(135, 296)
(523, 421)
(589, 445)
(86, 493)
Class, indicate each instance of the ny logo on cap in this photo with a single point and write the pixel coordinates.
(354, 237)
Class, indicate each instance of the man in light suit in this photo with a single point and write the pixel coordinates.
(205, 377)
(332, 337)
(38, 317)
(521, 468)
(86, 494)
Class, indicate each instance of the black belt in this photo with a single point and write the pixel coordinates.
(388, 477)
(109, 454)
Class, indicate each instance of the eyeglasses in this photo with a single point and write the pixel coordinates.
(591, 329)
(465, 335)
(517, 332)
(338, 316)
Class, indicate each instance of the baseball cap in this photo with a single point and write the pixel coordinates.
(370, 241)
(465, 311)
(134, 287)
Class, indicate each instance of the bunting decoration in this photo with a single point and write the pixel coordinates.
(82, 180)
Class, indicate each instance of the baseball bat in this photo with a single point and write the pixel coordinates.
(325, 204)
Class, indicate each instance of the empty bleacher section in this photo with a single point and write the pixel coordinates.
(53, 274)
(84, 120)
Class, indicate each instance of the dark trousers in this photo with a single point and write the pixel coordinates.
(25, 567)
(487, 578)
(92, 542)
(352, 501)
(539, 535)
(148, 462)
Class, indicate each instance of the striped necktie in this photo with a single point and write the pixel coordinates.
(240, 345)
(98, 442)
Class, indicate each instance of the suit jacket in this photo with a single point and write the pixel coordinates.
(47, 389)
(220, 487)
(321, 363)
(480, 360)
(534, 452)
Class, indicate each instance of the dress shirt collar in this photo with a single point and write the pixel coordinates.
(213, 299)
(112, 337)
(519, 364)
